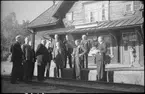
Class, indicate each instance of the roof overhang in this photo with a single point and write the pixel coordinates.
(101, 26)
(43, 25)
(46, 18)
(86, 25)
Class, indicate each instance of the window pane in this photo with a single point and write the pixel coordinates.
(87, 17)
(69, 16)
(128, 7)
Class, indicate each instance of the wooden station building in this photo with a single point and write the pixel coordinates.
(120, 22)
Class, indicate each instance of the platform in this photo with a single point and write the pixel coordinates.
(117, 73)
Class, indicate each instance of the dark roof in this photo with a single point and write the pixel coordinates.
(46, 18)
(137, 20)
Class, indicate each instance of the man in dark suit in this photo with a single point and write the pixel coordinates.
(85, 44)
(102, 49)
(50, 49)
(42, 59)
(68, 51)
(17, 56)
(33, 62)
(77, 55)
(28, 57)
(95, 44)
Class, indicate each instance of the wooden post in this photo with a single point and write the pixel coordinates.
(33, 39)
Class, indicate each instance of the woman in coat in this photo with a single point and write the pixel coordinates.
(59, 59)
(54, 52)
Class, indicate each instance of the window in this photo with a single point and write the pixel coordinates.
(69, 16)
(92, 17)
(96, 12)
(129, 7)
(103, 13)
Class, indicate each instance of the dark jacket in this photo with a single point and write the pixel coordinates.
(59, 57)
(42, 54)
(76, 52)
(85, 44)
(50, 49)
(103, 48)
(68, 46)
(28, 52)
(54, 47)
(17, 54)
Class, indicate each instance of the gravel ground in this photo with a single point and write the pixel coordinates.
(21, 87)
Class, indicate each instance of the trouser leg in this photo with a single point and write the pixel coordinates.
(20, 72)
(14, 74)
(94, 59)
(65, 61)
(86, 61)
(48, 69)
(42, 71)
(38, 71)
(30, 70)
(104, 78)
(60, 72)
(57, 71)
(77, 68)
(70, 60)
(83, 62)
(25, 66)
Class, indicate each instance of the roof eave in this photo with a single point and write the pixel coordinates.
(96, 29)
(42, 25)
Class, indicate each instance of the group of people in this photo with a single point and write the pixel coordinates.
(23, 58)
(76, 52)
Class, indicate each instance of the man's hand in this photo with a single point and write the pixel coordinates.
(80, 55)
(111, 55)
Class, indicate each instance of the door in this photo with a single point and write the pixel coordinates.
(130, 48)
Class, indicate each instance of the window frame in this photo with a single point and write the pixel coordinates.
(95, 12)
(132, 8)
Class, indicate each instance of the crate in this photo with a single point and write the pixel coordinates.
(68, 73)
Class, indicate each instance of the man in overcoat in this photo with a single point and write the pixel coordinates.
(50, 49)
(28, 57)
(68, 51)
(85, 44)
(17, 57)
(102, 49)
(77, 55)
(42, 59)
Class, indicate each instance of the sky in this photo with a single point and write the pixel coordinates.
(25, 10)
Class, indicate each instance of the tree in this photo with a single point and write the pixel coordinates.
(10, 28)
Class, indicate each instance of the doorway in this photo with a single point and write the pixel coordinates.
(130, 48)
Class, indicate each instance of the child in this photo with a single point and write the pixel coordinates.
(78, 58)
